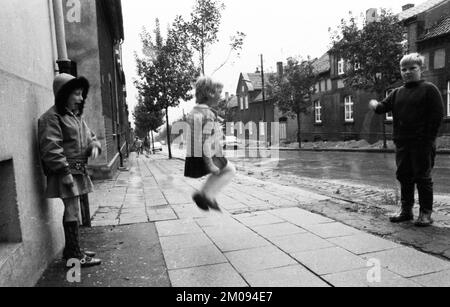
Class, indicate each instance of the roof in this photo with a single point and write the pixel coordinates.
(322, 64)
(414, 11)
(254, 80)
(440, 29)
(233, 102)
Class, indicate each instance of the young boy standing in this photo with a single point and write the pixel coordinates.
(418, 111)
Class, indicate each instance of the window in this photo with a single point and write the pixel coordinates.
(241, 103)
(262, 129)
(246, 102)
(318, 112)
(340, 84)
(439, 59)
(341, 67)
(426, 64)
(317, 87)
(231, 128)
(323, 85)
(357, 66)
(329, 85)
(283, 130)
(389, 115)
(10, 231)
(241, 128)
(250, 128)
(448, 98)
(348, 109)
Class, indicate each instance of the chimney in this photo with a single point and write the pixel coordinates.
(280, 69)
(407, 6)
(371, 15)
(227, 96)
(257, 70)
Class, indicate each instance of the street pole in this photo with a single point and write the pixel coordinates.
(263, 95)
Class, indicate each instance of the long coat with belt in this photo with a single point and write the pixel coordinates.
(64, 137)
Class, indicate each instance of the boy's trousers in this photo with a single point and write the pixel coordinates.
(415, 161)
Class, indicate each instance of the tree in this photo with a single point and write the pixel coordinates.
(204, 27)
(166, 70)
(373, 53)
(293, 90)
(147, 118)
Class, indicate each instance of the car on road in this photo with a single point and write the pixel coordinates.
(157, 147)
(230, 141)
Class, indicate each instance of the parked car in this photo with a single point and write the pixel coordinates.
(230, 141)
(157, 147)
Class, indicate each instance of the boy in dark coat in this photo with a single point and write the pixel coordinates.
(418, 111)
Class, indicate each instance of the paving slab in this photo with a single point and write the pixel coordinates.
(193, 257)
(300, 217)
(216, 276)
(332, 230)
(259, 259)
(278, 230)
(440, 279)
(330, 260)
(408, 262)
(175, 228)
(301, 242)
(185, 241)
(214, 219)
(189, 211)
(156, 215)
(238, 241)
(289, 276)
(364, 243)
(360, 278)
(258, 218)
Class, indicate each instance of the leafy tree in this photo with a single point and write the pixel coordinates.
(293, 90)
(148, 118)
(203, 28)
(166, 70)
(373, 53)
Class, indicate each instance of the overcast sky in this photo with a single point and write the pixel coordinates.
(277, 29)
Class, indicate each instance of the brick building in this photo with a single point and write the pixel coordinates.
(94, 34)
(340, 113)
(31, 234)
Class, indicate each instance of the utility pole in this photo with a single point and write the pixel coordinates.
(263, 88)
(264, 96)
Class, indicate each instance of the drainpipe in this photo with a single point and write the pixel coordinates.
(63, 61)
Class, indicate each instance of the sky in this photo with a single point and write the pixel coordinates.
(275, 29)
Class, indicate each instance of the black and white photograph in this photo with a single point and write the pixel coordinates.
(224, 151)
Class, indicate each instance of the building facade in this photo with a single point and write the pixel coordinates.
(31, 234)
(252, 109)
(94, 34)
(339, 113)
(30, 226)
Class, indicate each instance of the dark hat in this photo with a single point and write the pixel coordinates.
(64, 85)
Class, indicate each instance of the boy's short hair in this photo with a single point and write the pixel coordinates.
(206, 89)
(413, 58)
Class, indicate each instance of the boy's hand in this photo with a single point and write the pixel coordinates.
(373, 104)
(68, 180)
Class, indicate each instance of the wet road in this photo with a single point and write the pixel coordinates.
(377, 169)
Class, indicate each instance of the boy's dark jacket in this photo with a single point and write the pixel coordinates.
(418, 111)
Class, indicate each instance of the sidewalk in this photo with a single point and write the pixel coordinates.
(147, 221)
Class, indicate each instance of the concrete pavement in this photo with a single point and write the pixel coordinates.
(262, 238)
